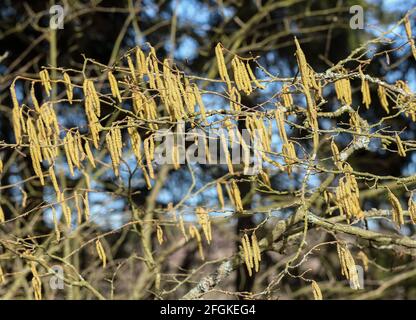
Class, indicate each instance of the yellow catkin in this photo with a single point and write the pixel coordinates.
(348, 268)
(182, 227)
(2, 277)
(200, 103)
(241, 77)
(69, 89)
(222, 68)
(56, 224)
(88, 151)
(236, 196)
(381, 91)
(101, 253)
(131, 68)
(256, 252)
(400, 148)
(17, 123)
(412, 209)
(306, 84)
(148, 157)
(289, 154)
(248, 254)
(205, 223)
(2, 216)
(86, 206)
(52, 176)
(159, 234)
(67, 149)
(253, 77)
(91, 97)
(24, 197)
(66, 210)
(33, 97)
(365, 89)
(317, 294)
(46, 82)
(280, 121)
(347, 195)
(363, 257)
(287, 97)
(397, 211)
(113, 86)
(220, 195)
(78, 207)
(226, 152)
(336, 155)
(141, 63)
(194, 233)
(1, 166)
(408, 29)
(36, 282)
(114, 146)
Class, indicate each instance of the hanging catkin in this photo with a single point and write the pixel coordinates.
(306, 84)
(68, 85)
(412, 209)
(381, 91)
(16, 116)
(204, 222)
(46, 82)
(101, 253)
(2, 216)
(36, 282)
(348, 267)
(400, 148)
(397, 211)
(222, 68)
(317, 294)
(113, 86)
(365, 89)
(408, 29)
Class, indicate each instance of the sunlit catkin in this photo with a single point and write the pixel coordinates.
(204, 222)
(222, 68)
(317, 294)
(412, 209)
(16, 116)
(68, 86)
(248, 254)
(36, 282)
(348, 267)
(113, 86)
(46, 82)
(56, 224)
(336, 155)
(2, 216)
(101, 253)
(365, 90)
(408, 29)
(2, 276)
(159, 234)
(287, 97)
(381, 91)
(400, 148)
(397, 211)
